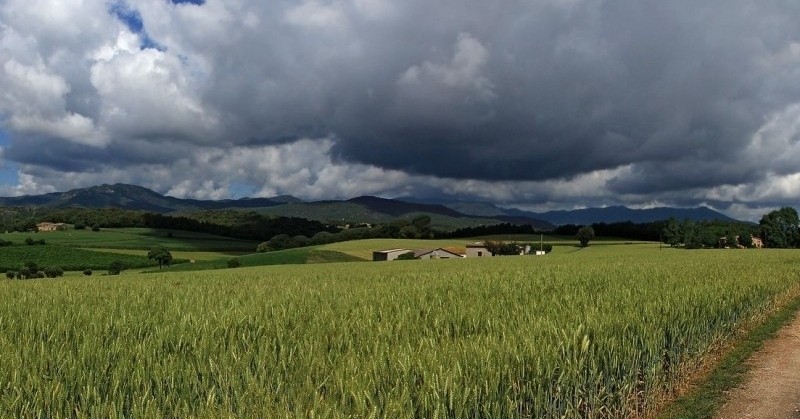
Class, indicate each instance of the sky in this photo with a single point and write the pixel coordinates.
(541, 104)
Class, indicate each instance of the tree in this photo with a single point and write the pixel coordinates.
(11, 274)
(116, 267)
(87, 272)
(161, 255)
(234, 263)
(96, 227)
(781, 228)
(280, 242)
(671, 234)
(585, 234)
(54, 272)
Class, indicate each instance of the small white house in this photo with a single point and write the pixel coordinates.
(478, 250)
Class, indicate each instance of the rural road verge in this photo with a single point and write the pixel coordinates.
(771, 387)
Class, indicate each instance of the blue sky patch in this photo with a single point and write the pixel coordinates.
(133, 20)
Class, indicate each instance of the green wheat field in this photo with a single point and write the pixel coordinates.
(607, 331)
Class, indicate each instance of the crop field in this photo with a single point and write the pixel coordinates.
(65, 257)
(605, 331)
(137, 238)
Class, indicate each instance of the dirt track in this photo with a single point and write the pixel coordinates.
(771, 389)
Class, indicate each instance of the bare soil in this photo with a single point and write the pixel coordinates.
(771, 388)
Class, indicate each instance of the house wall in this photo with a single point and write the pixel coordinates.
(475, 252)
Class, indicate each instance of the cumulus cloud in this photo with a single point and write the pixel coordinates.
(541, 103)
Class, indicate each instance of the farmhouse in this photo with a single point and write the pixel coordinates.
(48, 226)
(440, 253)
(390, 254)
(477, 249)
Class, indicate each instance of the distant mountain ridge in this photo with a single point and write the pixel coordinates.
(611, 214)
(360, 209)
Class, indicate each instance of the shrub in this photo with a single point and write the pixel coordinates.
(5, 243)
(39, 275)
(234, 263)
(80, 226)
(31, 242)
(53, 272)
(96, 227)
(11, 274)
(406, 256)
(116, 267)
(263, 247)
(87, 272)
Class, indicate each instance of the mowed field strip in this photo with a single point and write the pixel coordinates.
(599, 332)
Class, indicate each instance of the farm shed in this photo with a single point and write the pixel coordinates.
(439, 253)
(390, 254)
(477, 249)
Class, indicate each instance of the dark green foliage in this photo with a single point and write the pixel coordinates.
(234, 263)
(497, 229)
(80, 226)
(116, 267)
(746, 239)
(96, 227)
(53, 272)
(280, 242)
(11, 274)
(671, 233)
(503, 248)
(406, 256)
(781, 228)
(237, 224)
(87, 272)
(161, 255)
(585, 234)
(4, 243)
(31, 242)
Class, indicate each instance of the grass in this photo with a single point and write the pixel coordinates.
(604, 331)
(709, 395)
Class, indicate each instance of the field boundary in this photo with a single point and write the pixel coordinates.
(708, 394)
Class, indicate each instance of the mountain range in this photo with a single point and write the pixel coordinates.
(367, 209)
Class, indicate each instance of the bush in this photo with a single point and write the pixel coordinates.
(116, 267)
(39, 275)
(87, 272)
(80, 226)
(31, 242)
(96, 227)
(406, 256)
(5, 243)
(11, 274)
(263, 247)
(234, 263)
(54, 272)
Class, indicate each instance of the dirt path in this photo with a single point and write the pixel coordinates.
(771, 389)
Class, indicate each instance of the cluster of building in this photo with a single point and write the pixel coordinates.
(47, 226)
(471, 250)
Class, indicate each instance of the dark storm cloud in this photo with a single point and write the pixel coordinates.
(651, 96)
(519, 92)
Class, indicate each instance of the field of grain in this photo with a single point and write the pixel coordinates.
(599, 332)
